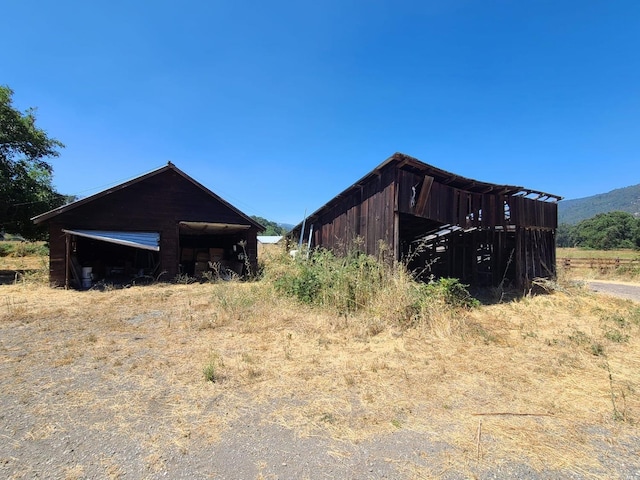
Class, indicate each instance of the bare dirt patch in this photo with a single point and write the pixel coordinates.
(229, 381)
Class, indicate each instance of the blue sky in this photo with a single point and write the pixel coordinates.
(278, 106)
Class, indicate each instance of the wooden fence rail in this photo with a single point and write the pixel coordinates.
(601, 263)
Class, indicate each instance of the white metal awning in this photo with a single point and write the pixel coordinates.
(142, 240)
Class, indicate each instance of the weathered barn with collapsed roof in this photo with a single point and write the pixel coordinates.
(158, 225)
(441, 224)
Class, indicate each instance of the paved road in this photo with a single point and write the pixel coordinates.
(623, 290)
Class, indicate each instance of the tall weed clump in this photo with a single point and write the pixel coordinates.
(359, 283)
(320, 278)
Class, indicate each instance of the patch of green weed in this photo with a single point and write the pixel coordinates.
(616, 336)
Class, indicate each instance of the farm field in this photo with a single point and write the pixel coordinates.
(234, 380)
(616, 265)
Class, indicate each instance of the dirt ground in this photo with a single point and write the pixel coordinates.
(85, 396)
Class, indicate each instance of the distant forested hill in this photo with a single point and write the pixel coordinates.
(271, 227)
(622, 199)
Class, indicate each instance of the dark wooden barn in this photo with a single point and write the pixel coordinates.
(441, 224)
(158, 225)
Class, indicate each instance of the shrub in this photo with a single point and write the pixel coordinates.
(359, 282)
(26, 249)
(597, 349)
(302, 283)
(209, 372)
(23, 249)
(451, 292)
(347, 283)
(5, 249)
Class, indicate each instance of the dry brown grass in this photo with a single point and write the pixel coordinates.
(24, 263)
(532, 375)
(625, 254)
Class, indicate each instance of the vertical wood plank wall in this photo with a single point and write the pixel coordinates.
(360, 220)
(157, 203)
(511, 234)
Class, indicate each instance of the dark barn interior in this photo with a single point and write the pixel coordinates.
(201, 243)
(441, 224)
(112, 262)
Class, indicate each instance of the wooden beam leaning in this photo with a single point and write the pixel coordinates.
(423, 197)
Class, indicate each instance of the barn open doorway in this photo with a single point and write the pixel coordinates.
(218, 248)
(477, 256)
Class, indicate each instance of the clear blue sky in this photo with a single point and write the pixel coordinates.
(277, 106)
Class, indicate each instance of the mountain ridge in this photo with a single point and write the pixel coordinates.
(626, 199)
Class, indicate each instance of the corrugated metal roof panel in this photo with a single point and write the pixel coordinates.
(143, 240)
(270, 239)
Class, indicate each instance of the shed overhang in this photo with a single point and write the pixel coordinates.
(141, 240)
(210, 228)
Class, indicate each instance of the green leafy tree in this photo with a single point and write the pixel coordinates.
(26, 187)
(607, 231)
(565, 235)
(271, 228)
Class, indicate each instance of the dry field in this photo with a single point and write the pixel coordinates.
(585, 253)
(20, 258)
(231, 380)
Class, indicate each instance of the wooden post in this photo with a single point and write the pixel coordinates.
(67, 260)
(519, 259)
(397, 254)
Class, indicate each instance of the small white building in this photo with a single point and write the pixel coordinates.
(269, 239)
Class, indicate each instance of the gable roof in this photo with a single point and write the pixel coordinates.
(457, 181)
(407, 162)
(168, 167)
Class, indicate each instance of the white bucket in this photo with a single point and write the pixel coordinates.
(87, 273)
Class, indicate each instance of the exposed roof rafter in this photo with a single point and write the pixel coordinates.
(406, 162)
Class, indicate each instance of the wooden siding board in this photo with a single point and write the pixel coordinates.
(433, 204)
(157, 203)
(449, 207)
(423, 197)
(57, 254)
(376, 211)
(407, 181)
(388, 217)
(146, 204)
(526, 212)
(463, 208)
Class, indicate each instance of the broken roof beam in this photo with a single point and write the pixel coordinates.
(541, 196)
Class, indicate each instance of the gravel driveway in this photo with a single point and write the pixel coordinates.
(623, 290)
